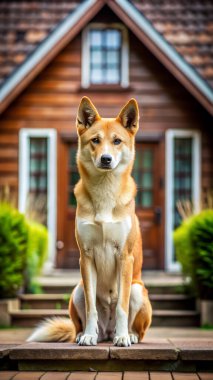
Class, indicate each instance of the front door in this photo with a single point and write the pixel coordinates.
(148, 208)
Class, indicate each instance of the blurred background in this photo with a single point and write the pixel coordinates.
(53, 53)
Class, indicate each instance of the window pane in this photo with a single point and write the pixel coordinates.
(96, 57)
(96, 38)
(147, 159)
(146, 198)
(38, 173)
(112, 76)
(105, 56)
(113, 57)
(73, 175)
(38, 165)
(182, 174)
(97, 76)
(147, 180)
(113, 38)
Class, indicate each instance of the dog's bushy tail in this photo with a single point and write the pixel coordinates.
(55, 329)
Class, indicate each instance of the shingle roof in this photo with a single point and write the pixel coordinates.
(24, 25)
(188, 26)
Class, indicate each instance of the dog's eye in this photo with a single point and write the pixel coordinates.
(95, 140)
(117, 141)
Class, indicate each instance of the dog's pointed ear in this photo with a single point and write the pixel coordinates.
(87, 113)
(129, 116)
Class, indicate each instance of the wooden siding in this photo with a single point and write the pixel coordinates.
(51, 101)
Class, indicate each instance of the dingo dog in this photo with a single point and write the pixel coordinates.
(111, 301)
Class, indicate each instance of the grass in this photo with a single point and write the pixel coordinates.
(206, 326)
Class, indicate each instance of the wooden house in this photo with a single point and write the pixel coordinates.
(53, 53)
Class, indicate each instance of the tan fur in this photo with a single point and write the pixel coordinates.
(108, 232)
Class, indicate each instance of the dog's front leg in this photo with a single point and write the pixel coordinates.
(89, 276)
(125, 268)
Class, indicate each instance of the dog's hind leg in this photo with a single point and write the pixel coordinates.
(77, 310)
(140, 312)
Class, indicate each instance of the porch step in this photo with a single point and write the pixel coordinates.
(66, 288)
(31, 318)
(172, 302)
(163, 318)
(60, 301)
(44, 301)
(176, 318)
(184, 355)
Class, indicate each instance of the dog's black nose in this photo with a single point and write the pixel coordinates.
(106, 159)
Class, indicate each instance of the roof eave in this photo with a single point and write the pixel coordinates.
(157, 44)
(47, 50)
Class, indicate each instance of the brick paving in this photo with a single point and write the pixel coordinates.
(23, 375)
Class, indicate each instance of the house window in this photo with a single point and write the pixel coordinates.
(182, 181)
(105, 55)
(143, 175)
(182, 177)
(73, 175)
(38, 165)
(37, 178)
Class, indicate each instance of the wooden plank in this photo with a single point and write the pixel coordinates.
(109, 376)
(6, 167)
(8, 138)
(8, 153)
(8, 179)
(205, 376)
(160, 376)
(26, 375)
(82, 376)
(50, 375)
(7, 375)
(184, 376)
(135, 375)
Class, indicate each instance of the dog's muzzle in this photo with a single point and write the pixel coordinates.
(106, 160)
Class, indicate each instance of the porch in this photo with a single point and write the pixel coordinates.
(172, 303)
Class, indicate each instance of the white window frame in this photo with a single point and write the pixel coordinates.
(85, 56)
(24, 159)
(171, 265)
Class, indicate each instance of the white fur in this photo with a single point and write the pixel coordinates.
(104, 242)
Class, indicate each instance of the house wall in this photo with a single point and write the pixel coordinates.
(51, 101)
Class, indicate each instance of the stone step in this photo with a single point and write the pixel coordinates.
(44, 301)
(163, 318)
(172, 302)
(161, 288)
(60, 301)
(183, 355)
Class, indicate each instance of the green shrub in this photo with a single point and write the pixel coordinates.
(13, 249)
(194, 250)
(201, 233)
(36, 254)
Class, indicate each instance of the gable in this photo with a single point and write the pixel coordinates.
(135, 21)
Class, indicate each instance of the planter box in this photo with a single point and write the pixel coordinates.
(6, 307)
(206, 309)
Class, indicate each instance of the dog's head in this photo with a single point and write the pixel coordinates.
(106, 144)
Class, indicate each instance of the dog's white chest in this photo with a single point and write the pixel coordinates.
(107, 236)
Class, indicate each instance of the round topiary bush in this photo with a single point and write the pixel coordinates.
(13, 250)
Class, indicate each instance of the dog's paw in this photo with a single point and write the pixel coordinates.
(122, 341)
(133, 338)
(78, 337)
(87, 340)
